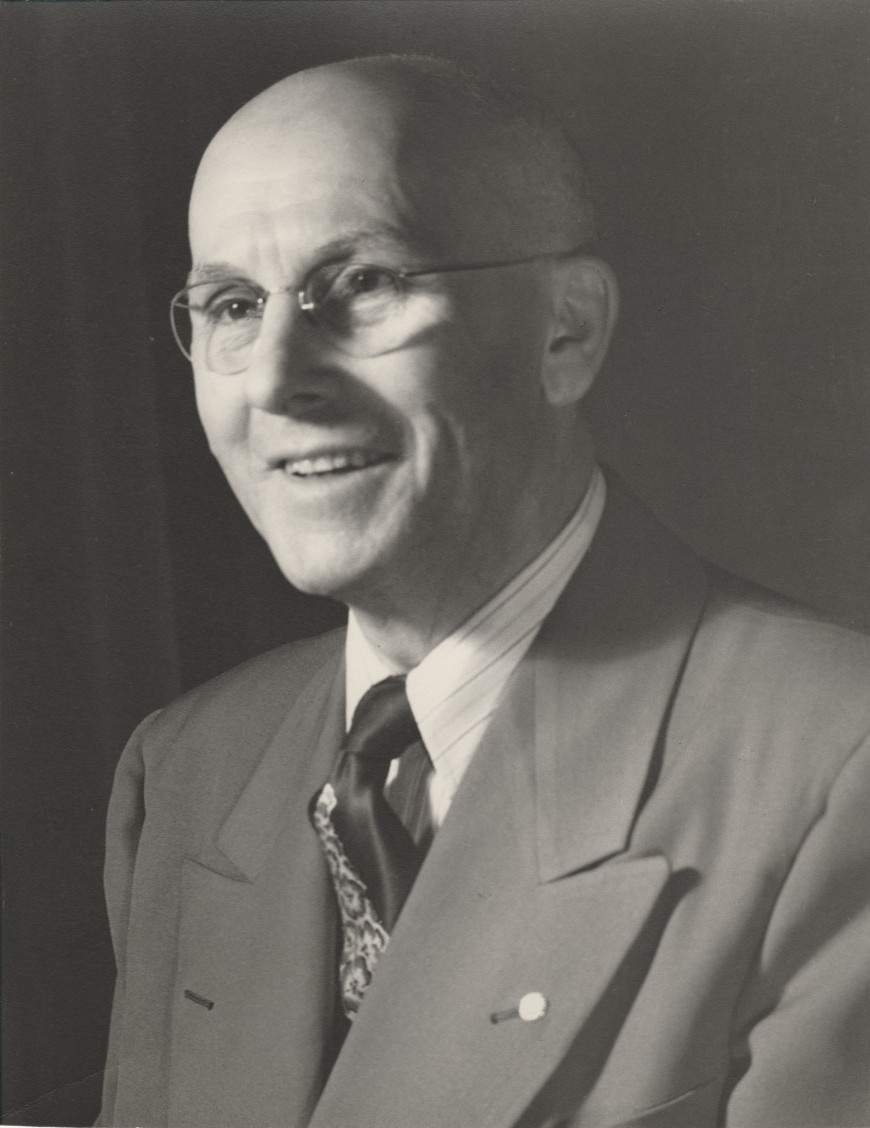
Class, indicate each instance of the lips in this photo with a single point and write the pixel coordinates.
(333, 462)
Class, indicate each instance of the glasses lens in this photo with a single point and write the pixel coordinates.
(366, 309)
(361, 305)
(180, 320)
(218, 323)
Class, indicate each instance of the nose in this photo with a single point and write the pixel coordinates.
(282, 374)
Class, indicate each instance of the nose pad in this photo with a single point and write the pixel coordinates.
(281, 369)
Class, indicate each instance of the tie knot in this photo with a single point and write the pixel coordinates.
(383, 725)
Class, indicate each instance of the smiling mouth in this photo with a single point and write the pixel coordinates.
(338, 462)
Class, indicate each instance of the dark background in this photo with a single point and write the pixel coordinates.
(729, 143)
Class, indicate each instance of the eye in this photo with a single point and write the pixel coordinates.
(357, 281)
(226, 304)
(356, 285)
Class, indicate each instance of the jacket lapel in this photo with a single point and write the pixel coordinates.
(252, 1007)
(529, 887)
(297, 761)
(607, 664)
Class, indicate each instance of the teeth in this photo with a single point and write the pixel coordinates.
(332, 463)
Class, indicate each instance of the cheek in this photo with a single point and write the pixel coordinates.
(220, 412)
(460, 456)
(494, 405)
(473, 412)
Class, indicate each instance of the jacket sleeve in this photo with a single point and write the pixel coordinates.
(803, 1023)
(123, 827)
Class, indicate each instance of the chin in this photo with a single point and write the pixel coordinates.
(326, 581)
(336, 574)
(351, 561)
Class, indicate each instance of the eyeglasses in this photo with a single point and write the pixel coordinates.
(365, 309)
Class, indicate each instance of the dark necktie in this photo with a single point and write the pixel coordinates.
(372, 858)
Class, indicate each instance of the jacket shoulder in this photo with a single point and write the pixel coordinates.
(776, 637)
(242, 707)
(784, 686)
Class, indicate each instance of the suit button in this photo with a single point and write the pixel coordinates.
(532, 1006)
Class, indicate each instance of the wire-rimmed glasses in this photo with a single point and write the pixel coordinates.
(364, 308)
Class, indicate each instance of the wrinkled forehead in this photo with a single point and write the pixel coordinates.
(319, 158)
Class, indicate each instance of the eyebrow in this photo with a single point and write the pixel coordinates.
(385, 237)
(212, 272)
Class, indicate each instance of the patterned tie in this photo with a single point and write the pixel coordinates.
(371, 856)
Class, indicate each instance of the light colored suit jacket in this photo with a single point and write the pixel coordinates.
(666, 833)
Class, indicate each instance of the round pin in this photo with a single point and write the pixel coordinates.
(532, 1006)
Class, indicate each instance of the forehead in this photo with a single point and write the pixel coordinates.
(321, 159)
(306, 173)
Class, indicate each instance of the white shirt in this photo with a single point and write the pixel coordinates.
(454, 691)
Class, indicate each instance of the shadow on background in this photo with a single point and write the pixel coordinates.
(728, 142)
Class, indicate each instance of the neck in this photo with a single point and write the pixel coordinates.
(405, 625)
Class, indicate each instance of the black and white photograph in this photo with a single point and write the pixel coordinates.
(435, 532)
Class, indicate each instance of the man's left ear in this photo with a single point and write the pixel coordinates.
(585, 303)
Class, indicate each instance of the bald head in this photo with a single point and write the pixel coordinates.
(484, 171)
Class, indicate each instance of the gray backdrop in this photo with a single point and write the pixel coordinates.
(729, 146)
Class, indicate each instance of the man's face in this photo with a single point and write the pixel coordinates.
(368, 477)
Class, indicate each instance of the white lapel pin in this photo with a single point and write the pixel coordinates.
(530, 1008)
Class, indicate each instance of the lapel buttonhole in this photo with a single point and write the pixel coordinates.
(199, 999)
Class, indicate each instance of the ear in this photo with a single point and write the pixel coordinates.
(585, 302)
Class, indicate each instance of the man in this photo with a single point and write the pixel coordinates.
(613, 866)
